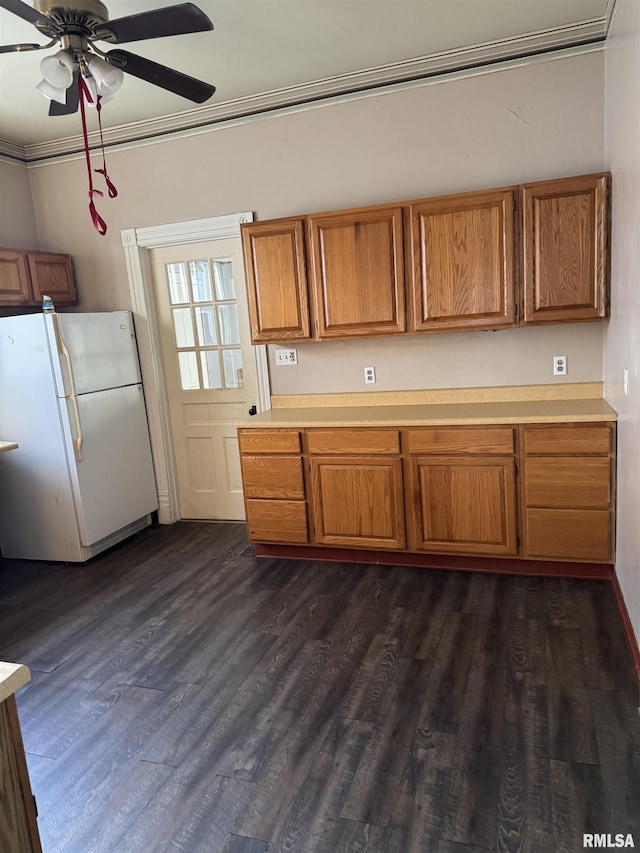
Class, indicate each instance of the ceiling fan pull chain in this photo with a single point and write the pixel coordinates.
(113, 192)
(98, 222)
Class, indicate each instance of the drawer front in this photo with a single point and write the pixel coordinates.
(568, 481)
(568, 534)
(269, 441)
(273, 477)
(581, 439)
(461, 440)
(277, 521)
(353, 441)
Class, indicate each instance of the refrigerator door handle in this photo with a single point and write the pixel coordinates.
(62, 349)
(77, 441)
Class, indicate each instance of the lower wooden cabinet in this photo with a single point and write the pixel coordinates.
(463, 505)
(357, 501)
(568, 491)
(18, 820)
(274, 486)
(535, 491)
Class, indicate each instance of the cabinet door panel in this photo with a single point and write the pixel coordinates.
(15, 287)
(358, 441)
(463, 262)
(273, 477)
(358, 501)
(269, 441)
(52, 274)
(568, 481)
(276, 280)
(557, 439)
(565, 246)
(463, 439)
(464, 504)
(568, 534)
(358, 279)
(277, 521)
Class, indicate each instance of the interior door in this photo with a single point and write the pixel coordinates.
(210, 370)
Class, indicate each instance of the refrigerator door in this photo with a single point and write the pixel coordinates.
(113, 479)
(37, 509)
(94, 351)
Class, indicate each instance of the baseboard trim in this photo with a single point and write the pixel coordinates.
(627, 627)
(502, 565)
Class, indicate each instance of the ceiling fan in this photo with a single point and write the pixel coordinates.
(76, 26)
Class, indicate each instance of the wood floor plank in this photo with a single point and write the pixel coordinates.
(579, 804)
(572, 735)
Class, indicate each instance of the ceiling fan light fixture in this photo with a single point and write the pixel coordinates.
(57, 70)
(51, 92)
(108, 78)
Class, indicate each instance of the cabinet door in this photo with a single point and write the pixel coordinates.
(565, 245)
(15, 287)
(357, 272)
(52, 273)
(463, 504)
(357, 501)
(463, 268)
(276, 280)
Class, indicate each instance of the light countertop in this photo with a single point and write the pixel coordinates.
(7, 445)
(529, 404)
(12, 677)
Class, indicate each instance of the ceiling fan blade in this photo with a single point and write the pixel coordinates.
(25, 12)
(18, 48)
(71, 105)
(169, 21)
(160, 75)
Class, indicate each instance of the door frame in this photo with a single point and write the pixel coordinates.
(137, 242)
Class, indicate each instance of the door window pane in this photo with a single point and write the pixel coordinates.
(178, 285)
(233, 368)
(210, 362)
(189, 379)
(206, 325)
(200, 281)
(223, 276)
(183, 327)
(228, 319)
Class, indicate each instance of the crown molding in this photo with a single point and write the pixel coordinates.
(566, 40)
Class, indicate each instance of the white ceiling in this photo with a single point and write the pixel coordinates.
(264, 53)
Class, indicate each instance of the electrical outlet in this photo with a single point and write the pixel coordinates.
(560, 365)
(369, 376)
(286, 356)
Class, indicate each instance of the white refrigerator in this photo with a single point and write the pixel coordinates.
(82, 477)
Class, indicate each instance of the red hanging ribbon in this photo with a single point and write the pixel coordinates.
(85, 97)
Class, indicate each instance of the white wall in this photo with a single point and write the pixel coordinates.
(538, 121)
(17, 217)
(622, 338)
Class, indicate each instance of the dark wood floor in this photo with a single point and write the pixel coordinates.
(188, 697)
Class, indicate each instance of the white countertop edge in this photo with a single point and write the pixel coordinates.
(12, 677)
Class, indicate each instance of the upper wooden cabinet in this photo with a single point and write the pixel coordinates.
(26, 276)
(462, 262)
(357, 272)
(494, 259)
(276, 280)
(565, 249)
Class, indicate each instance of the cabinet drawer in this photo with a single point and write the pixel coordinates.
(568, 534)
(568, 481)
(273, 477)
(269, 441)
(461, 440)
(354, 441)
(583, 439)
(277, 521)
